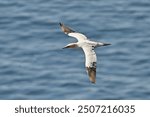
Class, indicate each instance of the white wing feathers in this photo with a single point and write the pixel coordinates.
(90, 62)
(90, 55)
(78, 36)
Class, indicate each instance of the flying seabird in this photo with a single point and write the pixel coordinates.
(88, 48)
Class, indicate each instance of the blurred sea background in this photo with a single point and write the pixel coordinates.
(33, 64)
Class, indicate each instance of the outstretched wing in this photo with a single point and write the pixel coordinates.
(72, 33)
(90, 62)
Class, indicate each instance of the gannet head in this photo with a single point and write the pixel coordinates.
(71, 45)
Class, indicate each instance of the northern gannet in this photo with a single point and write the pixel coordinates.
(88, 48)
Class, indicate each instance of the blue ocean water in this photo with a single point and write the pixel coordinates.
(33, 64)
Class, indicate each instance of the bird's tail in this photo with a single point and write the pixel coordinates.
(102, 44)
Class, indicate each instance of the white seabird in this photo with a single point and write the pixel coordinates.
(88, 48)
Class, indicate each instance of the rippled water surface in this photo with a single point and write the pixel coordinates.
(33, 64)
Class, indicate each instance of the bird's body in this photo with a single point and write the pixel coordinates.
(88, 48)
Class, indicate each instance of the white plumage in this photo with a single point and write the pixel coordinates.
(78, 36)
(88, 48)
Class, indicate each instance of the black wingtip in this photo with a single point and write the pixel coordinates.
(65, 29)
(60, 24)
